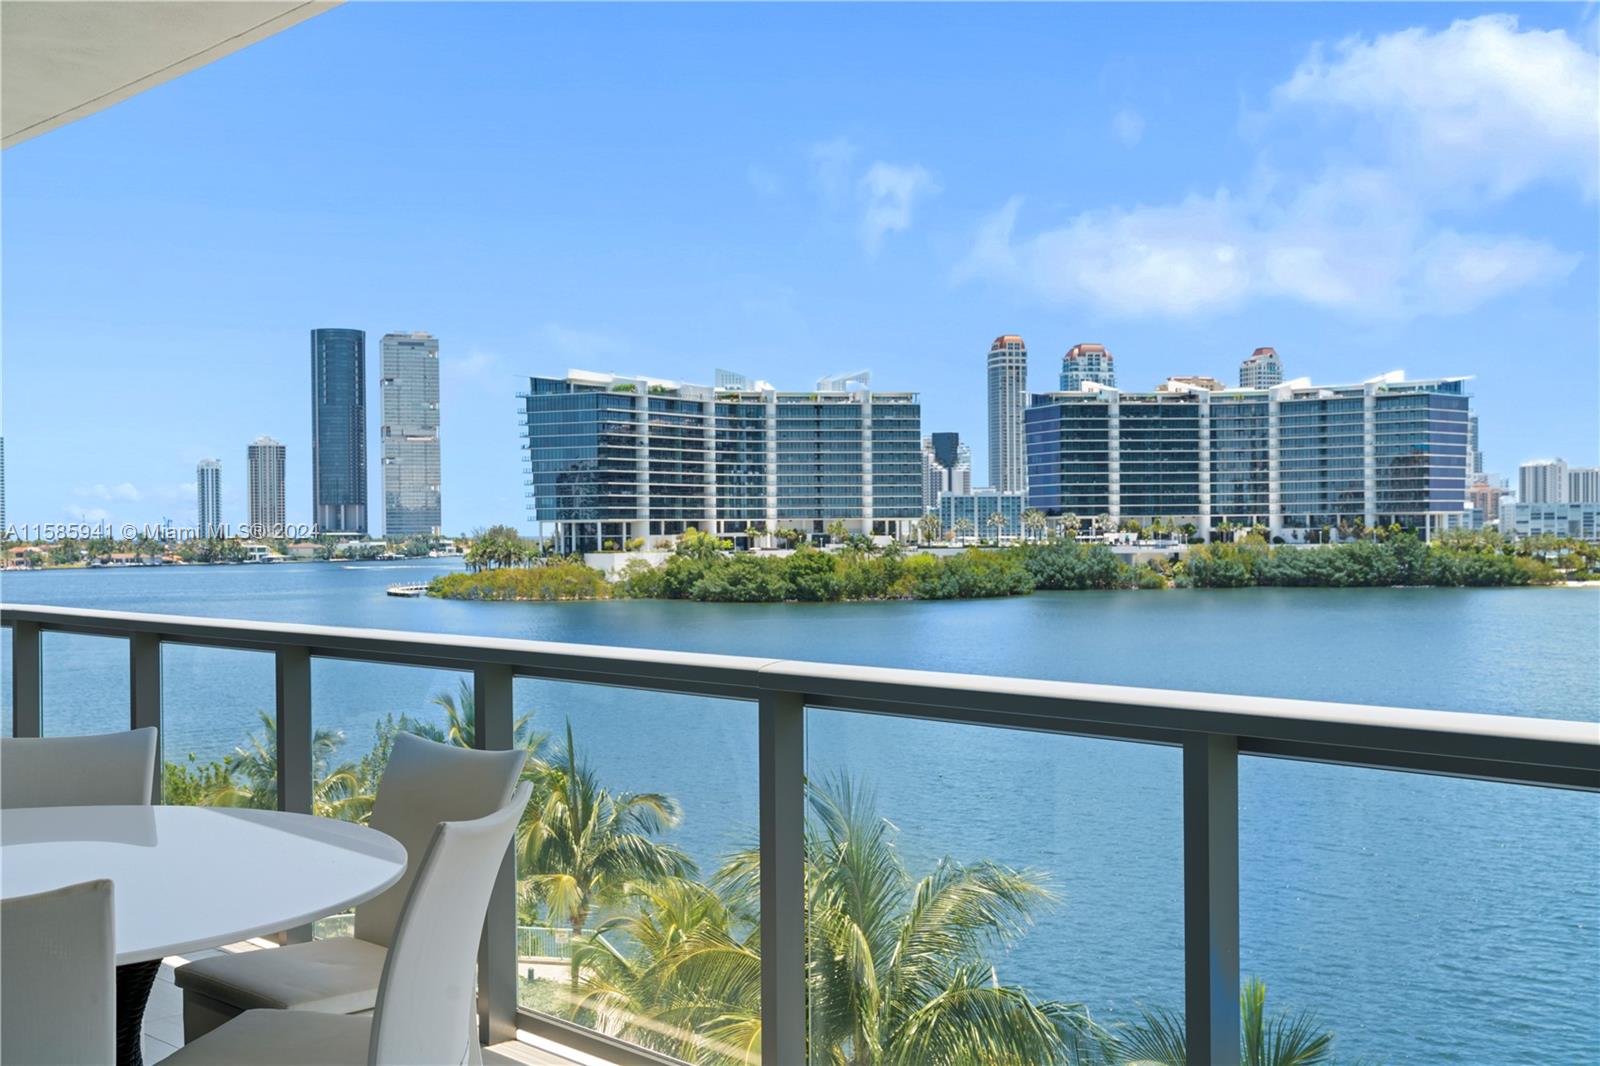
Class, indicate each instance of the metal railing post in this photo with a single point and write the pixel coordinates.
(497, 949)
(1211, 898)
(292, 667)
(27, 681)
(781, 742)
(144, 695)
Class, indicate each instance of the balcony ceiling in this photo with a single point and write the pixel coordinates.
(61, 61)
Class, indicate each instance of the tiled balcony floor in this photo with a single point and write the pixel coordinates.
(163, 1023)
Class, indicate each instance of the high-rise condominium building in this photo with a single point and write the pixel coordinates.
(615, 458)
(1008, 399)
(1583, 484)
(410, 434)
(1542, 481)
(946, 467)
(339, 430)
(1474, 453)
(208, 498)
(1294, 457)
(1085, 363)
(730, 379)
(1262, 369)
(264, 461)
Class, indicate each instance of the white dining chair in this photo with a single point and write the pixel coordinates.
(425, 996)
(111, 769)
(424, 783)
(57, 989)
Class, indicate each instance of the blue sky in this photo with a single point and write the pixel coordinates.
(791, 191)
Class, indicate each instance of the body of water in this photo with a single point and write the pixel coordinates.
(1425, 920)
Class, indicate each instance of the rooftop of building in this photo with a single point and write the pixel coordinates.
(1003, 340)
(602, 381)
(1298, 388)
(1078, 351)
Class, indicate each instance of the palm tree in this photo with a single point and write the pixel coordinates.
(692, 984)
(1070, 524)
(1277, 1040)
(997, 522)
(1034, 521)
(585, 845)
(929, 527)
(252, 776)
(460, 723)
(961, 528)
(899, 972)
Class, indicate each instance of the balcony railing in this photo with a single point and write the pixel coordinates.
(1211, 730)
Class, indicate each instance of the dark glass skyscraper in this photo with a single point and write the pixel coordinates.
(339, 430)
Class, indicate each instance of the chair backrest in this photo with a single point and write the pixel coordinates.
(111, 769)
(426, 783)
(425, 998)
(57, 983)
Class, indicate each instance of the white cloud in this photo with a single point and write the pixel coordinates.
(890, 192)
(121, 491)
(1128, 126)
(1482, 103)
(1363, 236)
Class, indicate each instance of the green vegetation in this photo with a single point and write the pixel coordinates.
(902, 969)
(704, 567)
(701, 568)
(1470, 559)
(559, 579)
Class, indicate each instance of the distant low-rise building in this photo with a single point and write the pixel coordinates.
(1580, 521)
(970, 515)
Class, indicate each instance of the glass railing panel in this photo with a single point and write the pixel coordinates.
(218, 727)
(357, 709)
(1422, 919)
(644, 926)
(974, 890)
(83, 684)
(6, 708)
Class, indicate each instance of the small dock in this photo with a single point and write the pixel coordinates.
(406, 590)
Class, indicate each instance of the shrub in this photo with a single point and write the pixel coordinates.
(563, 580)
(1070, 565)
(812, 575)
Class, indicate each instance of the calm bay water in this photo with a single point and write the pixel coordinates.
(1425, 920)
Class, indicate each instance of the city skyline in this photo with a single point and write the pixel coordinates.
(906, 245)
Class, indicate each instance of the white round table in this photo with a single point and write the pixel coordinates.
(193, 877)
